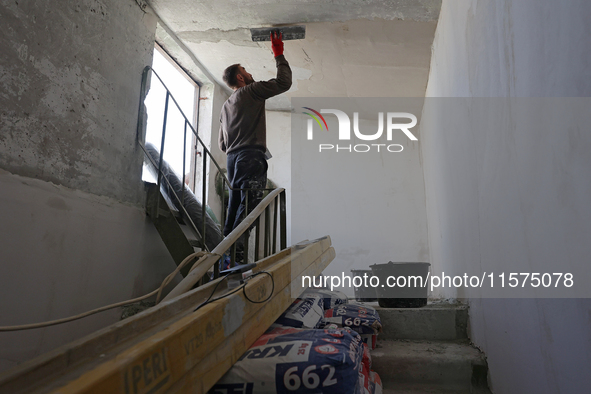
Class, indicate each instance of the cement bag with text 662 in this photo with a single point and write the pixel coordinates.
(290, 360)
(361, 318)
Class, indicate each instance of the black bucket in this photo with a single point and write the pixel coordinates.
(362, 293)
(412, 295)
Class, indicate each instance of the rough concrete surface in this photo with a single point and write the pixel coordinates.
(426, 350)
(70, 76)
(352, 48)
(228, 15)
(76, 237)
(433, 321)
(448, 364)
(65, 252)
(431, 389)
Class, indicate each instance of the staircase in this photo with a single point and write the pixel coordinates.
(182, 220)
(427, 350)
(169, 224)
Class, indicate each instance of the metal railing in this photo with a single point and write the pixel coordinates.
(274, 209)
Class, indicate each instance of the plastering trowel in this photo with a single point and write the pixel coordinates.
(288, 32)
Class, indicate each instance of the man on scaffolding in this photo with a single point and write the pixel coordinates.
(243, 136)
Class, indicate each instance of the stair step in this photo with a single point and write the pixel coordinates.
(455, 366)
(169, 229)
(435, 321)
(431, 389)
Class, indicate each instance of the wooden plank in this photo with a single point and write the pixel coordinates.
(207, 372)
(36, 372)
(325, 243)
(157, 361)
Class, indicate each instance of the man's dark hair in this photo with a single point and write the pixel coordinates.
(230, 74)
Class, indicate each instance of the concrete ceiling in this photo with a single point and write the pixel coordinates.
(353, 48)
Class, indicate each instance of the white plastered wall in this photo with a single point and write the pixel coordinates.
(475, 189)
(279, 144)
(372, 204)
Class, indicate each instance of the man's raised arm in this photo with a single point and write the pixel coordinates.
(273, 87)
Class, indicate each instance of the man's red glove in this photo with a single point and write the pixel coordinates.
(277, 43)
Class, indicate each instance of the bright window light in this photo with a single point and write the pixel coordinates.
(183, 91)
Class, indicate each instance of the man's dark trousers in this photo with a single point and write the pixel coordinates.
(247, 169)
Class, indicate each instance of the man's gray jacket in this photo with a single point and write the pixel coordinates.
(242, 120)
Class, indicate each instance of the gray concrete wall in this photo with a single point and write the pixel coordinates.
(64, 252)
(69, 90)
(73, 232)
(511, 194)
(353, 48)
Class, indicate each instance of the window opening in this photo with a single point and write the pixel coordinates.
(185, 91)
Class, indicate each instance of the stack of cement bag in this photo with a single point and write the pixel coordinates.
(320, 344)
(357, 316)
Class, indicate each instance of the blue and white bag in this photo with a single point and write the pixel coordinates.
(331, 298)
(303, 313)
(290, 360)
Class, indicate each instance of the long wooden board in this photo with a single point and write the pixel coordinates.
(37, 372)
(178, 350)
(206, 373)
